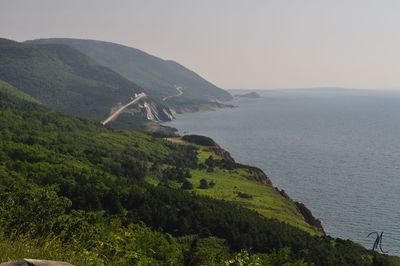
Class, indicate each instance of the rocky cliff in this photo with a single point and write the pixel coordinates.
(259, 176)
(151, 110)
(310, 219)
(155, 111)
(305, 212)
(255, 174)
(225, 155)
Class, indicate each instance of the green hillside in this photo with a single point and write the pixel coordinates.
(73, 190)
(63, 78)
(10, 90)
(158, 77)
(232, 182)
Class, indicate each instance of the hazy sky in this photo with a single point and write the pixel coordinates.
(235, 44)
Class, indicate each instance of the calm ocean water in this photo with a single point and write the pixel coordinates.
(337, 151)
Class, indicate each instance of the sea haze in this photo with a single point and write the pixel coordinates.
(338, 151)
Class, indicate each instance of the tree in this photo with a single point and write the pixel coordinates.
(203, 184)
(212, 184)
(210, 162)
(187, 185)
(187, 173)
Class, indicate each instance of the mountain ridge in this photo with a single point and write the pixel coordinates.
(64, 78)
(157, 76)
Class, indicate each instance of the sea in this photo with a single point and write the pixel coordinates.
(335, 150)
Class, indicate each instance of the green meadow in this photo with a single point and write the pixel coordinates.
(230, 183)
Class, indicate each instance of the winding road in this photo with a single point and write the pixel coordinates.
(116, 113)
(180, 92)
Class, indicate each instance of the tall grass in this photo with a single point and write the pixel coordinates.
(47, 249)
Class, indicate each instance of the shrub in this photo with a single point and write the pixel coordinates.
(212, 184)
(244, 195)
(203, 184)
(188, 174)
(187, 185)
(31, 209)
(210, 162)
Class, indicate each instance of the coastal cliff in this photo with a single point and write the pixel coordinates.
(305, 212)
(258, 175)
(225, 155)
(310, 219)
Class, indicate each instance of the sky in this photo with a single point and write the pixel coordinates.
(247, 44)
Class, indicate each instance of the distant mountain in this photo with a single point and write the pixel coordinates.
(251, 95)
(163, 79)
(68, 80)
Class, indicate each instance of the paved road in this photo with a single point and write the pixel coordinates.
(116, 113)
(179, 89)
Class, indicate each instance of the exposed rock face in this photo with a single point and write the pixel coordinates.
(282, 192)
(258, 175)
(310, 219)
(225, 155)
(32, 262)
(255, 173)
(152, 110)
(305, 212)
(156, 112)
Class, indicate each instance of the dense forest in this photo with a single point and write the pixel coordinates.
(72, 189)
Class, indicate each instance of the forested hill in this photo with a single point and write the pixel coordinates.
(64, 78)
(73, 190)
(159, 77)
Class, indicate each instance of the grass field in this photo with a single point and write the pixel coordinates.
(262, 198)
(265, 199)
